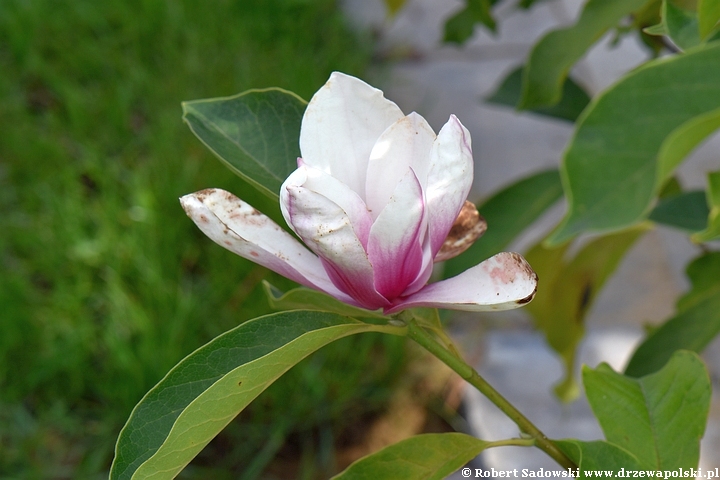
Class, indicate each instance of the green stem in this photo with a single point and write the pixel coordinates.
(513, 442)
(423, 338)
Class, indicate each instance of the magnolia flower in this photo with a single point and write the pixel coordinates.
(374, 197)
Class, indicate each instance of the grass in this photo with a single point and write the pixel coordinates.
(105, 283)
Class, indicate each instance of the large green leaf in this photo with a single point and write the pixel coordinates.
(708, 16)
(552, 57)
(609, 169)
(567, 289)
(508, 213)
(431, 456)
(254, 133)
(206, 390)
(658, 418)
(694, 326)
(598, 456)
(713, 200)
(574, 99)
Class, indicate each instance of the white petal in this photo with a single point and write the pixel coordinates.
(394, 248)
(340, 126)
(406, 143)
(334, 190)
(449, 180)
(326, 229)
(235, 225)
(502, 282)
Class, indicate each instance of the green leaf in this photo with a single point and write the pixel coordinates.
(681, 25)
(394, 6)
(461, 26)
(598, 456)
(206, 390)
(610, 167)
(705, 281)
(309, 299)
(695, 325)
(708, 12)
(714, 36)
(658, 418)
(528, 3)
(428, 317)
(671, 188)
(568, 289)
(574, 98)
(683, 140)
(508, 213)
(431, 456)
(552, 57)
(255, 133)
(656, 30)
(687, 211)
(713, 200)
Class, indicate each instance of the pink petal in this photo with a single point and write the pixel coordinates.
(425, 271)
(394, 247)
(340, 126)
(406, 143)
(326, 230)
(502, 282)
(235, 225)
(449, 180)
(334, 190)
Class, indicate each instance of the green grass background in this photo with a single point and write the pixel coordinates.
(104, 282)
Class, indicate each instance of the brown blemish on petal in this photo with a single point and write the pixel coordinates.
(515, 263)
(521, 266)
(203, 219)
(238, 211)
(203, 194)
(468, 227)
(527, 299)
(254, 254)
(250, 217)
(508, 268)
(511, 266)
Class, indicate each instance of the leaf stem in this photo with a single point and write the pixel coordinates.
(513, 442)
(424, 339)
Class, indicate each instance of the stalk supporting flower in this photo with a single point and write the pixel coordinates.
(423, 338)
(375, 194)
